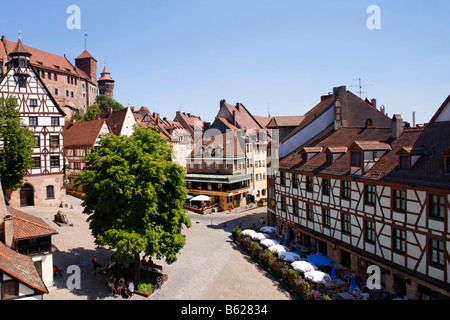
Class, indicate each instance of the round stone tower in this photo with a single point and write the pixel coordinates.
(106, 84)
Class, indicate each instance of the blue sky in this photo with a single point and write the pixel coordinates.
(190, 54)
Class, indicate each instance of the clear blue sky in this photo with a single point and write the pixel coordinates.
(284, 53)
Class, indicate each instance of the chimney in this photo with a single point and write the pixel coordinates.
(238, 106)
(383, 109)
(234, 117)
(6, 218)
(340, 108)
(397, 126)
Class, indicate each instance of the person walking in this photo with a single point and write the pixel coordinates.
(95, 263)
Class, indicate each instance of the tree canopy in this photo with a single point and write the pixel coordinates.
(134, 194)
(104, 102)
(16, 145)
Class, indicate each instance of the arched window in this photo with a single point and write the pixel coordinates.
(50, 192)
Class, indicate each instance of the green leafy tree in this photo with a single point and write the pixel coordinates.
(91, 113)
(134, 194)
(16, 146)
(104, 102)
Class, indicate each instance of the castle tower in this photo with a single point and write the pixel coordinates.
(88, 64)
(106, 84)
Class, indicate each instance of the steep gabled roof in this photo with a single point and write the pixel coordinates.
(22, 268)
(82, 134)
(27, 226)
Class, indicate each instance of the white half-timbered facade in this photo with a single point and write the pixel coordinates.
(43, 183)
(374, 196)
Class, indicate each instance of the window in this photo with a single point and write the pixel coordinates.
(294, 181)
(54, 162)
(37, 141)
(346, 189)
(309, 212)
(55, 77)
(49, 75)
(36, 162)
(403, 162)
(71, 94)
(436, 252)
(68, 79)
(399, 237)
(295, 207)
(436, 206)
(356, 158)
(10, 289)
(369, 194)
(22, 83)
(50, 192)
(33, 103)
(67, 93)
(369, 229)
(283, 203)
(326, 187)
(56, 91)
(55, 121)
(199, 166)
(54, 141)
(43, 74)
(309, 183)
(22, 63)
(345, 221)
(33, 121)
(283, 178)
(399, 199)
(225, 166)
(326, 217)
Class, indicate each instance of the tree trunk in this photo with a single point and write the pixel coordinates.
(137, 268)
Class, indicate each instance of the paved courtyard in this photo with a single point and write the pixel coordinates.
(209, 267)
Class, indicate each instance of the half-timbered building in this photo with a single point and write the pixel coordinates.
(372, 195)
(79, 139)
(43, 183)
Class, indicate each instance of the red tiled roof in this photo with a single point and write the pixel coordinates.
(84, 54)
(285, 121)
(115, 119)
(27, 226)
(82, 134)
(20, 267)
(43, 59)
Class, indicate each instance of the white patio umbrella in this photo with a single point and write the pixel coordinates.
(318, 276)
(259, 236)
(201, 198)
(248, 232)
(289, 256)
(278, 248)
(303, 266)
(267, 229)
(268, 242)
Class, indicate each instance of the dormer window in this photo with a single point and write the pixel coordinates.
(407, 157)
(403, 162)
(364, 154)
(334, 153)
(446, 155)
(309, 152)
(356, 159)
(22, 63)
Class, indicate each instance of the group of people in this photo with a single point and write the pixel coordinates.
(117, 287)
(120, 286)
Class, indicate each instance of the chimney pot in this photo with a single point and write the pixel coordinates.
(397, 126)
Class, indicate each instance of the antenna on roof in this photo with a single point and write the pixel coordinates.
(360, 86)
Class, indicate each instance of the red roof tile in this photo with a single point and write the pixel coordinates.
(20, 267)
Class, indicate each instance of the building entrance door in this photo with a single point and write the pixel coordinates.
(26, 196)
